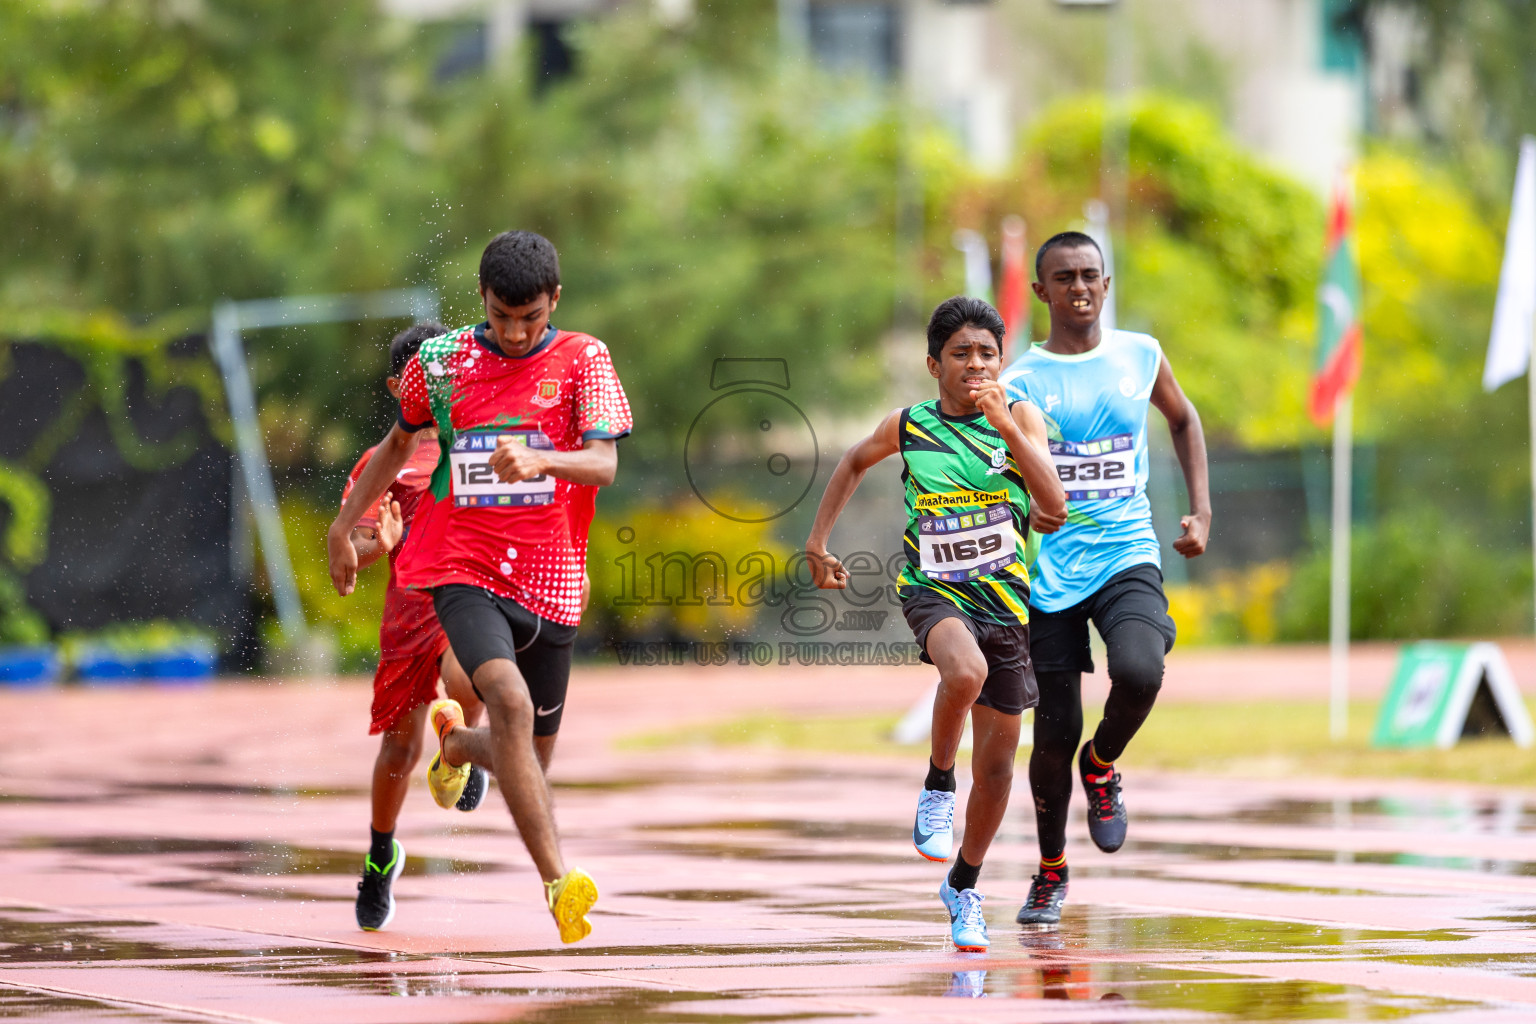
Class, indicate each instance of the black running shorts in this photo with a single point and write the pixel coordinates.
(483, 626)
(1059, 640)
(1010, 685)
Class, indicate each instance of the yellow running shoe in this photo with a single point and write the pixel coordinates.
(570, 898)
(446, 781)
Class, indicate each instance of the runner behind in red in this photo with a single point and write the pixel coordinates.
(413, 651)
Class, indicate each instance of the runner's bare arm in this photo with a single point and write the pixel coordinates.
(374, 542)
(392, 455)
(1023, 431)
(1189, 446)
(595, 463)
(1047, 498)
(856, 461)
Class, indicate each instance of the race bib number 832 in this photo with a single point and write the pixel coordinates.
(1098, 469)
(475, 483)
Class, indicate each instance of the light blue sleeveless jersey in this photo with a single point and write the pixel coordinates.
(1095, 409)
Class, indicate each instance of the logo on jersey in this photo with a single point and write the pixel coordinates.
(1127, 387)
(999, 461)
(548, 394)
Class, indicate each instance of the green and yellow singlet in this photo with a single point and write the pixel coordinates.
(968, 537)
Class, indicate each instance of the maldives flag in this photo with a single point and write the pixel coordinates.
(1338, 315)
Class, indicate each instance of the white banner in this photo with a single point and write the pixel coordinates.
(1514, 314)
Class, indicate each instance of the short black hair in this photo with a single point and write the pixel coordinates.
(962, 311)
(519, 266)
(1068, 240)
(404, 345)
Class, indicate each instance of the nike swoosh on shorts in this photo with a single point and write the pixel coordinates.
(541, 712)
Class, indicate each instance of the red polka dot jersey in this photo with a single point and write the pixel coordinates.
(526, 542)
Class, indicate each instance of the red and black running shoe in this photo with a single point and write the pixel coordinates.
(1106, 811)
(1047, 892)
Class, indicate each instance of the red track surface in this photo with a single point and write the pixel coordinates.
(191, 855)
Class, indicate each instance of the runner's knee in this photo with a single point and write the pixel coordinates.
(400, 749)
(967, 674)
(505, 695)
(994, 775)
(1135, 653)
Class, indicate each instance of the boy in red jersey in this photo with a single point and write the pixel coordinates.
(528, 417)
(413, 652)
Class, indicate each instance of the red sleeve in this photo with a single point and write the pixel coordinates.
(369, 519)
(415, 410)
(602, 409)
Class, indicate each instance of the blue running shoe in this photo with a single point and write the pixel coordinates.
(933, 832)
(968, 985)
(967, 927)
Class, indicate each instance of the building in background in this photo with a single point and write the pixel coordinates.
(1289, 76)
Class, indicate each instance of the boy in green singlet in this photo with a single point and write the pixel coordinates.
(974, 463)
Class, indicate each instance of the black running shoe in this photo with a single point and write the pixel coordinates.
(474, 789)
(375, 893)
(1047, 893)
(1106, 811)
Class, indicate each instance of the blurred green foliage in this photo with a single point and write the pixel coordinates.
(136, 639)
(1413, 578)
(353, 621)
(157, 155)
(678, 571)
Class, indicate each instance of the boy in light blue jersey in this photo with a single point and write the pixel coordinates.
(1093, 388)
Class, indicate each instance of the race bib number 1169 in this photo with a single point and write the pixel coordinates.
(475, 483)
(957, 548)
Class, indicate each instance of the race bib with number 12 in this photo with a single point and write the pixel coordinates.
(474, 482)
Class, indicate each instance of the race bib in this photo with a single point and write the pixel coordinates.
(474, 482)
(959, 548)
(1095, 470)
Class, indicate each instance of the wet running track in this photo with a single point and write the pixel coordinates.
(192, 855)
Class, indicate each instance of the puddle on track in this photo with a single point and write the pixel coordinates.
(249, 858)
(32, 1005)
(39, 937)
(1024, 966)
(1179, 967)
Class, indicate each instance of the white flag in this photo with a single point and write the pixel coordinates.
(978, 263)
(1514, 314)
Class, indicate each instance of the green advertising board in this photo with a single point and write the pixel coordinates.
(1442, 692)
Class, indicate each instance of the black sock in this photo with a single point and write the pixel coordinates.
(1054, 871)
(941, 779)
(963, 875)
(381, 849)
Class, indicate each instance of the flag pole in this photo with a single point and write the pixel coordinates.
(1338, 603)
(1530, 376)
